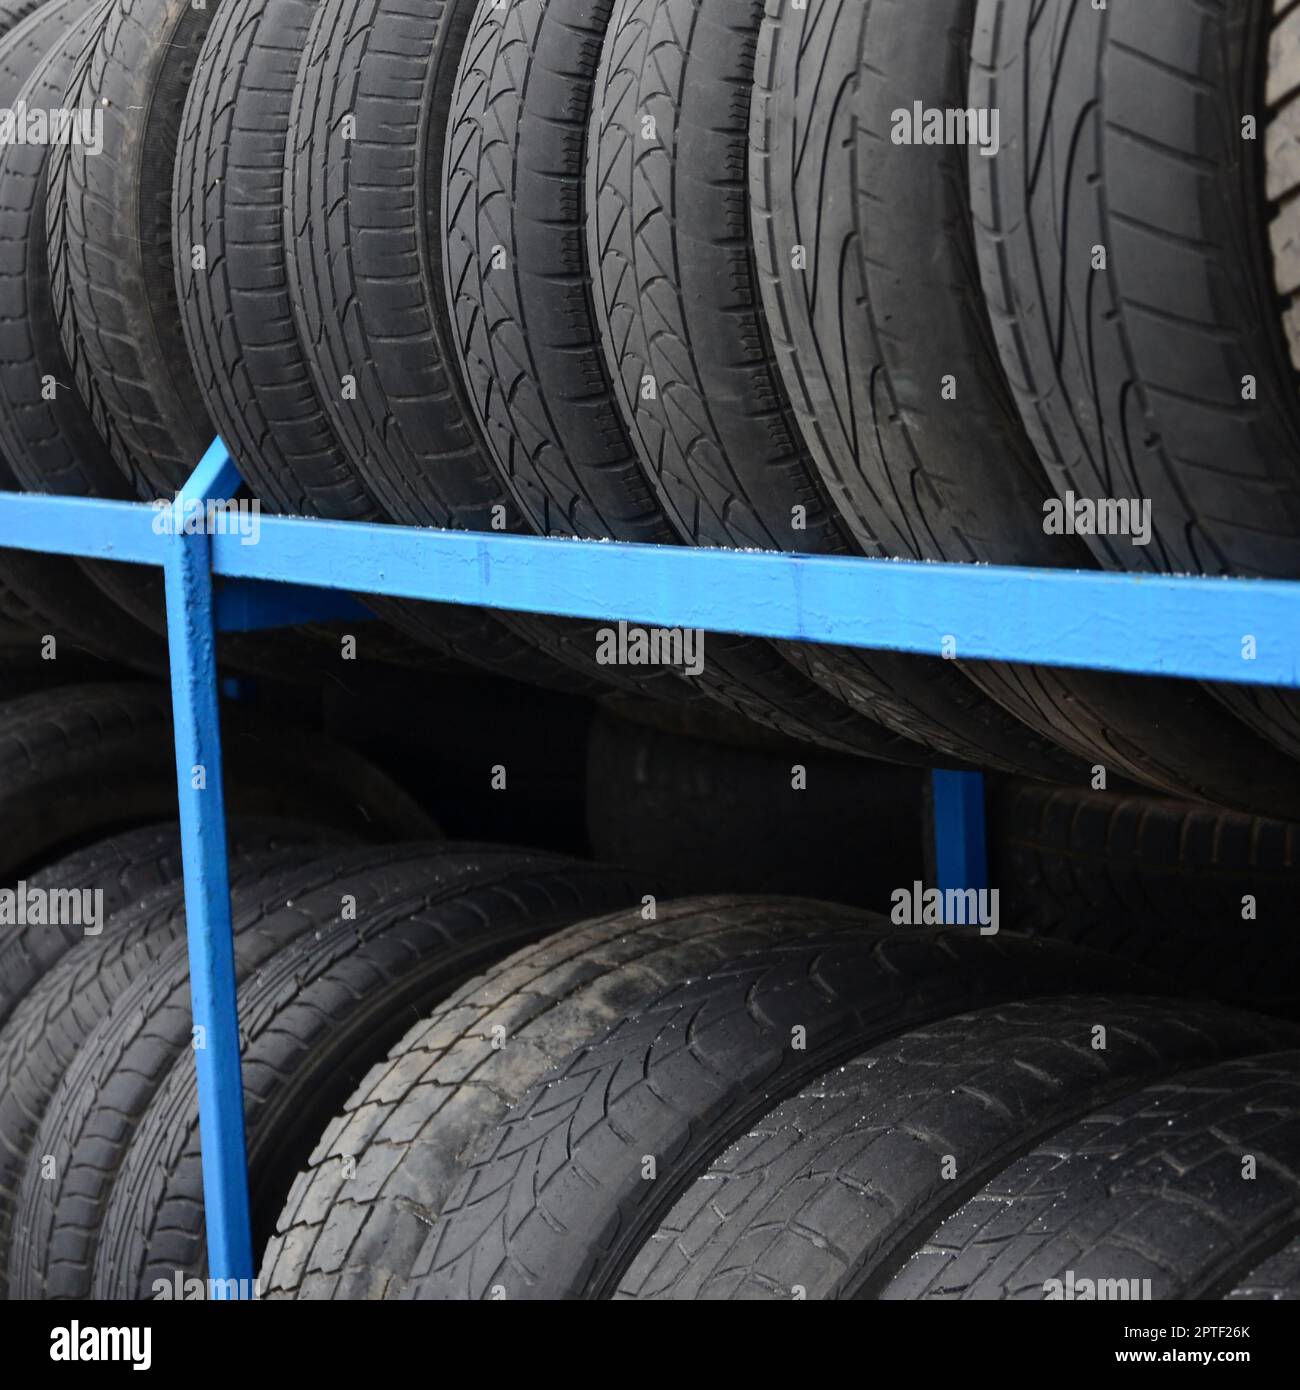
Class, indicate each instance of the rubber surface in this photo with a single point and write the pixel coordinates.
(886, 313)
(86, 760)
(237, 319)
(48, 441)
(558, 1198)
(124, 868)
(1163, 375)
(837, 1186)
(1207, 897)
(119, 311)
(1152, 1187)
(678, 310)
(42, 1038)
(318, 1015)
(413, 1122)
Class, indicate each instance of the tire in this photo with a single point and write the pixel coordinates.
(774, 966)
(124, 868)
(1150, 397)
(887, 310)
(1149, 1187)
(414, 1120)
(536, 381)
(81, 762)
(41, 1039)
(118, 310)
(50, 445)
(677, 303)
(319, 1014)
(723, 819)
(833, 1191)
(237, 318)
(1276, 1280)
(1207, 897)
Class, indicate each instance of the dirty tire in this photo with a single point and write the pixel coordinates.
(1206, 897)
(125, 1053)
(1148, 1187)
(119, 315)
(885, 312)
(414, 1120)
(1160, 343)
(83, 761)
(52, 445)
(554, 1201)
(677, 304)
(318, 1015)
(42, 1038)
(834, 1190)
(125, 868)
(528, 341)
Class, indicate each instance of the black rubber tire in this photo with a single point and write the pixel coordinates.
(125, 868)
(1274, 1281)
(677, 302)
(41, 1039)
(128, 992)
(827, 1196)
(723, 819)
(886, 309)
(1282, 164)
(119, 313)
(1160, 882)
(679, 1077)
(51, 445)
(320, 1013)
(1148, 1187)
(529, 349)
(235, 314)
(414, 1120)
(83, 761)
(1145, 394)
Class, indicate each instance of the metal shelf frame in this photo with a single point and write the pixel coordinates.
(301, 570)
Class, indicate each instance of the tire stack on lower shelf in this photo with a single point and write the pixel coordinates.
(689, 272)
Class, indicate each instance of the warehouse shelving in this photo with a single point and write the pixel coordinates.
(301, 569)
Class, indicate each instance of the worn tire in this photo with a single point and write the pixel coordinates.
(318, 1015)
(677, 302)
(125, 868)
(86, 760)
(43, 1036)
(1165, 883)
(833, 1191)
(414, 1120)
(682, 1075)
(51, 445)
(887, 309)
(1150, 1186)
(1144, 394)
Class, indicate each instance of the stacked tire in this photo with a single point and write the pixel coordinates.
(987, 281)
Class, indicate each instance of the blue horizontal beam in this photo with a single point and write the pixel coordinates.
(1142, 624)
(1246, 631)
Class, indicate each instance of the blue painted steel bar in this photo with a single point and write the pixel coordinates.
(960, 844)
(1247, 631)
(186, 568)
(1209, 629)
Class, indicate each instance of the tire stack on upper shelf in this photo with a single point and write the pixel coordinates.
(908, 279)
(681, 271)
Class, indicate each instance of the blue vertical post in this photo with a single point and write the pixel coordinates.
(192, 642)
(960, 845)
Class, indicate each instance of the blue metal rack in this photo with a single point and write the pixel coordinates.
(1245, 631)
